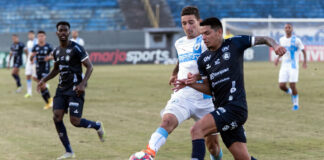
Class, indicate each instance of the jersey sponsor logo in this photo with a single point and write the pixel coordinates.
(208, 66)
(217, 62)
(207, 58)
(225, 48)
(220, 81)
(76, 111)
(188, 57)
(68, 51)
(215, 74)
(67, 58)
(226, 55)
(57, 52)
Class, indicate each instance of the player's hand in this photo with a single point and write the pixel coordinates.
(173, 79)
(304, 65)
(192, 78)
(280, 50)
(179, 84)
(79, 89)
(40, 84)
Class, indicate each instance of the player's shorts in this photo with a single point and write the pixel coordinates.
(230, 123)
(42, 71)
(30, 69)
(17, 61)
(184, 108)
(68, 100)
(288, 74)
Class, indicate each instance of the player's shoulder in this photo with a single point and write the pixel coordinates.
(76, 46)
(180, 41)
(204, 57)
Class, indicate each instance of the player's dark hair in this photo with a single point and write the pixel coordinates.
(289, 24)
(63, 23)
(190, 10)
(41, 32)
(213, 22)
(14, 35)
(31, 31)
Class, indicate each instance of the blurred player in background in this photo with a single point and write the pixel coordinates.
(42, 51)
(16, 51)
(290, 64)
(30, 67)
(76, 38)
(188, 102)
(221, 69)
(68, 60)
(228, 34)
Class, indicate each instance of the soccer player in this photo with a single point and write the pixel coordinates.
(290, 63)
(188, 102)
(68, 60)
(16, 51)
(30, 67)
(42, 52)
(76, 38)
(221, 68)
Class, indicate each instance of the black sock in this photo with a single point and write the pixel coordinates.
(89, 124)
(17, 78)
(252, 158)
(46, 95)
(198, 149)
(60, 128)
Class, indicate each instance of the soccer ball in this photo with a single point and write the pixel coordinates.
(140, 156)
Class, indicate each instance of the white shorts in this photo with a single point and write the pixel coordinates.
(184, 108)
(30, 69)
(287, 74)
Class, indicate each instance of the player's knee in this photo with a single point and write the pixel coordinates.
(57, 117)
(169, 123)
(282, 86)
(75, 121)
(196, 131)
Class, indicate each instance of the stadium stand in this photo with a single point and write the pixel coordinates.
(87, 15)
(250, 8)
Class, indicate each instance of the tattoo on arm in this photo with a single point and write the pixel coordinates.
(265, 40)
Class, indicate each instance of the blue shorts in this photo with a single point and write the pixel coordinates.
(230, 123)
(17, 62)
(68, 100)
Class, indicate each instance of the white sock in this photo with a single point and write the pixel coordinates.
(158, 139)
(29, 86)
(295, 99)
(289, 91)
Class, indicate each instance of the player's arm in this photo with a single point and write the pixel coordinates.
(33, 54)
(51, 75)
(174, 75)
(305, 59)
(279, 50)
(10, 56)
(191, 82)
(89, 68)
(26, 51)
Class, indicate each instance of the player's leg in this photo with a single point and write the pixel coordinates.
(203, 127)
(15, 75)
(293, 79)
(283, 79)
(28, 73)
(239, 151)
(76, 107)
(213, 147)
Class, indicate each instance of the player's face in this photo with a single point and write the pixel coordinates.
(75, 34)
(63, 32)
(288, 29)
(15, 39)
(211, 37)
(190, 25)
(41, 37)
(31, 36)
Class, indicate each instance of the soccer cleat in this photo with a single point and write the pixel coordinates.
(149, 151)
(49, 104)
(67, 155)
(101, 132)
(27, 95)
(295, 108)
(18, 90)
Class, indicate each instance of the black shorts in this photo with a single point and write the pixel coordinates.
(68, 100)
(41, 74)
(230, 123)
(17, 62)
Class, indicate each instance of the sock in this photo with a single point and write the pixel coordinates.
(60, 128)
(295, 99)
(289, 91)
(17, 78)
(89, 124)
(46, 95)
(158, 139)
(198, 149)
(29, 86)
(219, 157)
(252, 158)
